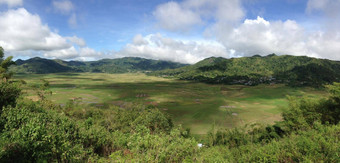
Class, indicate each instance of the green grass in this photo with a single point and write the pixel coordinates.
(194, 105)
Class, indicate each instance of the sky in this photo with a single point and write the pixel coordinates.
(185, 31)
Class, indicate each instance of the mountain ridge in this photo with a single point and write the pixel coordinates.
(292, 70)
(119, 65)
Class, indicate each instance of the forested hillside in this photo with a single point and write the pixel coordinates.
(121, 65)
(292, 70)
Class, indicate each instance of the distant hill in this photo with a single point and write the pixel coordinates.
(292, 70)
(120, 65)
(39, 65)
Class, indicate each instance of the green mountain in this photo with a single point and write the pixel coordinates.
(120, 65)
(292, 70)
(39, 65)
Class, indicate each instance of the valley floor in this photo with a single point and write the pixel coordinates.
(194, 105)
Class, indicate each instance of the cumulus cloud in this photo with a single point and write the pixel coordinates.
(21, 30)
(83, 53)
(23, 33)
(222, 20)
(156, 46)
(12, 3)
(183, 16)
(172, 16)
(263, 37)
(68, 53)
(139, 40)
(260, 36)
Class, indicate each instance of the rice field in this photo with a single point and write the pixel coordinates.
(193, 105)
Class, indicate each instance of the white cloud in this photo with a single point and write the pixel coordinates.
(317, 5)
(139, 40)
(260, 36)
(63, 6)
(21, 30)
(325, 45)
(155, 46)
(84, 53)
(12, 3)
(69, 53)
(172, 16)
(23, 34)
(181, 17)
(76, 40)
(222, 20)
(88, 52)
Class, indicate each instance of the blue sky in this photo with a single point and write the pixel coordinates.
(183, 31)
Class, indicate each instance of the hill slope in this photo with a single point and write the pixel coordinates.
(292, 70)
(39, 65)
(120, 65)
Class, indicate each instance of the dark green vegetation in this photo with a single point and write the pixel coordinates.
(44, 131)
(121, 65)
(194, 105)
(291, 70)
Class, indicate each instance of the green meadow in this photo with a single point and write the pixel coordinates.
(197, 106)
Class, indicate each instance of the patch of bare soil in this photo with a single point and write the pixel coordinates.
(33, 98)
(153, 103)
(142, 95)
(197, 101)
(228, 106)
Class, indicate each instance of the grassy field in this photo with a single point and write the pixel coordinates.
(194, 105)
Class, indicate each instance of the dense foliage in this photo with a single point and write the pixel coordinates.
(121, 65)
(45, 132)
(292, 70)
(9, 92)
(42, 131)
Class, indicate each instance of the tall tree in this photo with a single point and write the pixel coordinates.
(4, 65)
(9, 92)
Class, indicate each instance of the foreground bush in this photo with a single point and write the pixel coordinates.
(321, 144)
(32, 133)
(9, 92)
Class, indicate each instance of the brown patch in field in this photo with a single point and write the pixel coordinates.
(153, 103)
(234, 88)
(228, 106)
(142, 95)
(121, 104)
(197, 101)
(33, 98)
(161, 85)
(273, 118)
